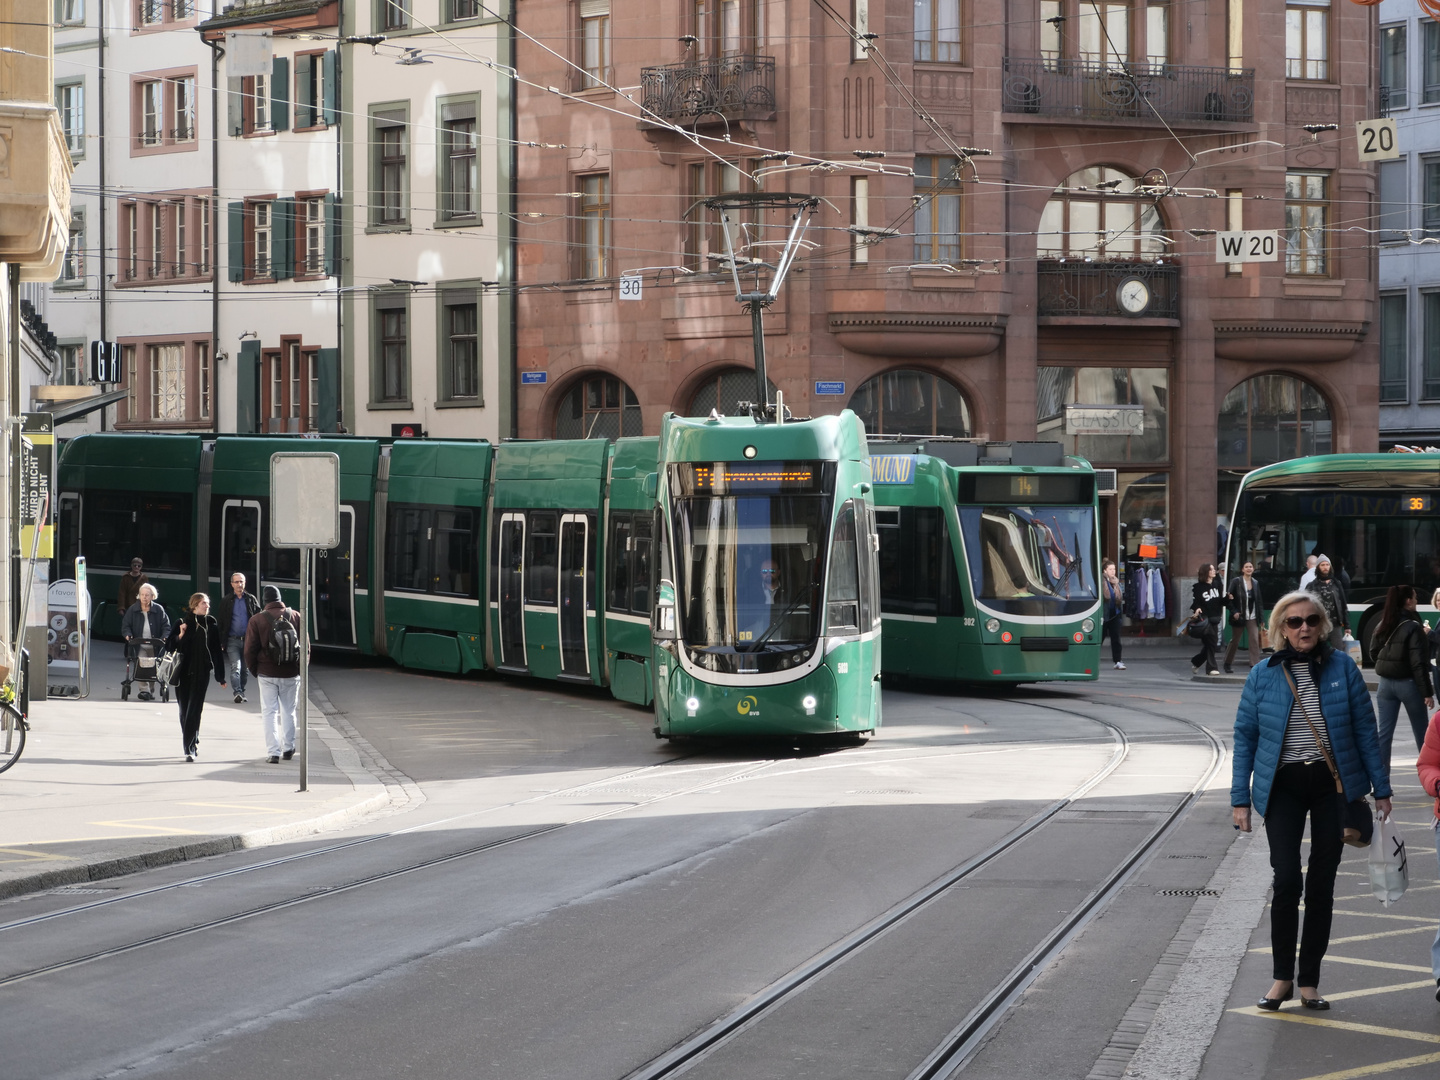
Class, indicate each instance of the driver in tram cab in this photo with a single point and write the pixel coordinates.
(770, 582)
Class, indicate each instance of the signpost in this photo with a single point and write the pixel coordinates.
(304, 514)
(631, 288)
(1378, 140)
(1251, 245)
(829, 389)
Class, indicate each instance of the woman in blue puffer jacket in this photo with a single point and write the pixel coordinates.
(1282, 767)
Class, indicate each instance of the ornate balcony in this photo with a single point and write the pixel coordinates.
(1086, 90)
(1092, 289)
(710, 91)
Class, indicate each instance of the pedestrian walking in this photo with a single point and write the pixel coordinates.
(1206, 600)
(233, 615)
(1246, 602)
(1303, 731)
(202, 656)
(1331, 596)
(1401, 653)
(1433, 632)
(145, 620)
(273, 641)
(1428, 766)
(1113, 598)
(130, 583)
(1309, 575)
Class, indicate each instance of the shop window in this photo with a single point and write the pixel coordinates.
(1144, 515)
(600, 407)
(1118, 389)
(912, 403)
(1272, 418)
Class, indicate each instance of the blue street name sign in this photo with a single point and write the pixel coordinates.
(829, 389)
(533, 378)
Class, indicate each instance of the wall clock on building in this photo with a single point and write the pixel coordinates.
(1133, 295)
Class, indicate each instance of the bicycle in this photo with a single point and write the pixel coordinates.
(13, 727)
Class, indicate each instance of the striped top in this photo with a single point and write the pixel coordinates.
(1300, 744)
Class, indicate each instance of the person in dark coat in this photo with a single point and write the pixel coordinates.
(1281, 769)
(1331, 597)
(1206, 600)
(1245, 602)
(1112, 596)
(197, 636)
(145, 621)
(233, 613)
(130, 585)
(1402, 662)
(279, 681)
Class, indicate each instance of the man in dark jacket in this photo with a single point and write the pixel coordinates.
(233, 616)
(279, 679)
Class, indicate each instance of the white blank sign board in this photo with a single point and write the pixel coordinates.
(304, 500)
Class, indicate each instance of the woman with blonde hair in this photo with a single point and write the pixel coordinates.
(1305, 744)
(202, 652)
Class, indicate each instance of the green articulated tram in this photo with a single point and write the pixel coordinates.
(989, 560)
(538, 559)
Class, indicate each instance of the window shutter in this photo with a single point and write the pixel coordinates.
(235, 105)
(284, 225)
(332, 235)
(236, 239)
(280, 93)
(592, 9)
(332, 84)
(304, 102)
(327, 405)
(247, 388)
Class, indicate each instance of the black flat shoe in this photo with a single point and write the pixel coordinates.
(1319, 1004)
(1437, 989)
(1273, 1004)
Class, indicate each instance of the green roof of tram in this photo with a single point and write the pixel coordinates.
(1346, 470)
(825, 438)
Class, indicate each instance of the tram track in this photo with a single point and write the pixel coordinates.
(950, 1056)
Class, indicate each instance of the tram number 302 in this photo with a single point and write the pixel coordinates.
(969, 622)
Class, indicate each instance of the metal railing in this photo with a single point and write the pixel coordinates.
(1098, 91)
(738, 87)
(1075, 287)
(1392, 100)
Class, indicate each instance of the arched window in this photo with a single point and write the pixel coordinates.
(912, 403)
(1099, 213)
(724, 393)
(1272, 418)
(598, 407)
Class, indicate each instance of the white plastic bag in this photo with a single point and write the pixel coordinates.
(1389, 870)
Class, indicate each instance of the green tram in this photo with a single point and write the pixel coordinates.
(540, 559)
(989, 560)
(1376, 515)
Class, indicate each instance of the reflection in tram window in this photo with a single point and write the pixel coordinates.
(541, 564)
(917, 566)
(1031, 560)
(431, 550)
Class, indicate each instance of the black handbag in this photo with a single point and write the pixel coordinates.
(1198, 626)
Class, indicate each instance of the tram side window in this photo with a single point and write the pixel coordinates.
(123, 524)
(628, 570)
(430, 550)
(591, 571)
(917, 565)
(843, 603)
(110, 531)
(869, 585)
(541, 566)
(640, 573)
(454, 572)
(405, 549)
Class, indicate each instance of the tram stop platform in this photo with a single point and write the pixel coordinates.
(103, 789)
(1200, 1022)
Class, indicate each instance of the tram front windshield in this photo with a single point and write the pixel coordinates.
(1374, 538)
(750, 545)
(1031, 560)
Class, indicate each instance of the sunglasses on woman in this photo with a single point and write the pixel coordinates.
(1294, 622)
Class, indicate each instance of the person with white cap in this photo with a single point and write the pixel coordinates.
(273, 640)
(1331, 597)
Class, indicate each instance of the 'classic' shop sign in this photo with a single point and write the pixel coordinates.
(1104, 419)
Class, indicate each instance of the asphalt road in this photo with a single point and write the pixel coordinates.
(573, 899)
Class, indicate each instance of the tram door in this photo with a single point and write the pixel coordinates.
(332, 595)
(511, 576)
(574, 657)
(240, 542)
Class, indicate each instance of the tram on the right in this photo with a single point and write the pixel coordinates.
(989, 560)
(1377, 516)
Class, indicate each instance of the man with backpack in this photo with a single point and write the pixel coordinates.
(273, 640)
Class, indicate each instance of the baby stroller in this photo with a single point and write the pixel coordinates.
(141, 657)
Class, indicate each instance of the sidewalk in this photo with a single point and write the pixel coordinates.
(103, 789)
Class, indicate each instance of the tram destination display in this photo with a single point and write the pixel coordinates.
(1027, 489)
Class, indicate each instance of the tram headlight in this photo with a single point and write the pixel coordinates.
(692, 706)
(1088, 626)
(992, 625)
(809, 702)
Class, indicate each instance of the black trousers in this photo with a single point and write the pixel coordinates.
(191, 698)
(1112, 628)
(1205, 658)
(1302, 789)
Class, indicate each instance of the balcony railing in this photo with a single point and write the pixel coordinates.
(721, 88)
(1393, 99)
(1076, 287)
(1097, 91)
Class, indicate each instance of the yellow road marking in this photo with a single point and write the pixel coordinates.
(1374, 963)
(1427, 920)
(1423, 928)
(1296, 1016)
(42, 855)
(155, 830)
(235, 806)
(1426, 983)
(1381, 1067)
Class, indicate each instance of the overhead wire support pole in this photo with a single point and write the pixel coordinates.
(802, 208)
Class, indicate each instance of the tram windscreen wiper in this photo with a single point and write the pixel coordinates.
(779, 620)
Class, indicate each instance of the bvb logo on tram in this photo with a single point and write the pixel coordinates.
(745, 704)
